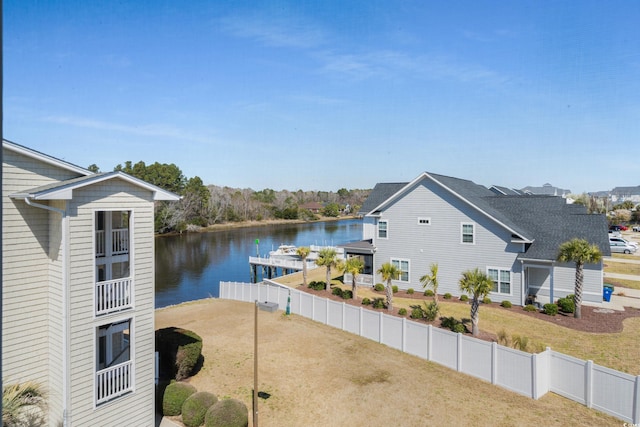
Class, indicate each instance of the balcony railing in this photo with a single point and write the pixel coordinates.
(113, 382)
(119, 242)
(113, 295)
(361, 280)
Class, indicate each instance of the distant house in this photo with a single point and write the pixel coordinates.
(78, 288)
(622, 194)
(546, 189)
(461, 225)
(313, 207)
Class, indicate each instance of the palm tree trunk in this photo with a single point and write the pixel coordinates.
(328, 283)
(578, 291)
(389, 296)
(354, 287)
(475, 305)
(304, 272)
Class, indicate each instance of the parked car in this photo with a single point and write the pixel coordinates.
(621, 240)
(618, 227)
(622, 248)
(614, 234)
(636, 228)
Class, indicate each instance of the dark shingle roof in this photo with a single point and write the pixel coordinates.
(547, 221)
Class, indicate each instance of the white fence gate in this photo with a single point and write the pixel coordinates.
(532, 375)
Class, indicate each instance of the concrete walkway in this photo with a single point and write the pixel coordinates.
(166, 422)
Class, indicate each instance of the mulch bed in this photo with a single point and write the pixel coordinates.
(594, 319)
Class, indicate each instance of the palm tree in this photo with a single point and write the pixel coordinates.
(580, 252)
(303, 252)
(389, 272)
(431, 279)
(478, 285)
(354, 266)
(23, 402)
(328, 258)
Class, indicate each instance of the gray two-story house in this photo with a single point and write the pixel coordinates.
(461, 225)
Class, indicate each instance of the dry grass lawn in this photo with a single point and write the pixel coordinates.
(320, 376)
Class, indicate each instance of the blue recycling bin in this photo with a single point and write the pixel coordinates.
(606, 293)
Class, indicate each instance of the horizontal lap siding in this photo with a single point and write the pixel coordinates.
(565, 278)
(32, 265)
(439, 242)
(135, 408)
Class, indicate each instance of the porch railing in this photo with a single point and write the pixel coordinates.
(119, 242)
(361, 280)
(114, 381)
(113, 295)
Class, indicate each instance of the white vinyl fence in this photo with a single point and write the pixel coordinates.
(532, 375)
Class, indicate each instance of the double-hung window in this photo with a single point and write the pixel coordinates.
(403, 267)
(383, 229)
(501, 279)
(467, 233)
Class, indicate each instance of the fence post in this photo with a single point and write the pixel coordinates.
(459, 352)
(404, 334)
(344, 314)
(380, 325)
(588, 379)
(636, 401)
(313, 307)
(360, 322)
(326, 304)
(429, 342)
(534, 376)
(494, 362)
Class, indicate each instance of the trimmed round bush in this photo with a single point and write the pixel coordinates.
(378, 303)
(174, 396)
(410, 291)
(347, 294)
(486, 300)
(506, 304)
(394, 289)
(529, 307)
(227, 413)
(379, 287)
(447, 296)
(366, 301)
(567, 304)
(428, 293)
(550, 309)
(464, 297)
(402, 312)
(417, 313)
(195, 408)
(337, 291)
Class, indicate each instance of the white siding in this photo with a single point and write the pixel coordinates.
(440, 241)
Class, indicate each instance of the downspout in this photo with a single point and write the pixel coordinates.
(523, 297)
(66, 395)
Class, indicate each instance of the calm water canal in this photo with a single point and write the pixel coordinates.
(191, 266)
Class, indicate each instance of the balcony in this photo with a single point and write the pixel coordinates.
(113, 295)
(118, 241)
(114, 381)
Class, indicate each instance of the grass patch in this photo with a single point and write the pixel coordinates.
(624, 256)
(622, 268)
(623, 283)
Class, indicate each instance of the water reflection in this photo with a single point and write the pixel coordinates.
(191, 266)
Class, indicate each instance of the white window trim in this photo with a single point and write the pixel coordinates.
(391, 260)
(501, 269)
(473, 225)
(386, 221)
(424, 220)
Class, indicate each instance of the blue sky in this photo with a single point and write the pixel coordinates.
(320, 95)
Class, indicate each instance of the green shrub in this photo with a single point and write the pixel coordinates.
(486, 300)
(529, 307)
(174, 396)
(227, 413)
(394, 289)
(410, 291)
(402, 312)
(567, 304)
(379, 287)
(378, 303)
(347, 294)
(195, 408)
(453, 324)
(550, 309)
(316, 285)
(337, 291)
(464, 297)
(431, 311)
(506, 304)
(428, 293)
(417, 312)
(447, 296)
(180, 351)
(366, 301)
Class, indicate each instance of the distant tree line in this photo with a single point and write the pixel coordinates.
(203, 205)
